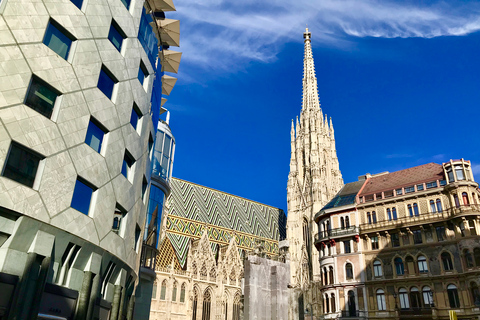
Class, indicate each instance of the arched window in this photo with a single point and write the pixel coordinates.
(415, 209)
(374, 217)
(327, 304)
(394, 213)
(236, 307)
(410, 265)
(439, 205)
(330, 275)
(352, 306)
(399, 268)
(453, 296)
(163, 290)
(369, 218)
(182, 293)
(455, 198)
(432, 206)
(342, 223)
(349, 271)
(377, 268)
(325, 277)
(466, 202)
(195, 304)
(415, 299)
(347, 222)
(174, 292)
(154, 290)
(332, 299)
(447, 261)
(468, 258)
(207, 302)
(427, 297)
(381, 305)
(225, 305)
(475, 293)
(422, 264)
(389, 214)
(403, 296)
(410, 211)
(476, 255)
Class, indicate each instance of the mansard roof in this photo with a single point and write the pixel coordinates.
(346, 196)
(403, 178)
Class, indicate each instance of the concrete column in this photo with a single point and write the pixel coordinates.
(131, 304)
(39, 287)
(121, 306)
(94, 293)
(116, 302)
(84, 296)
(18, 304)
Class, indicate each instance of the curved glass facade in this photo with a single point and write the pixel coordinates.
(164, 152)
(154, 216)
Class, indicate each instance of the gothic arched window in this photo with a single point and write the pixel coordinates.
(195, 303)
(236, 307)
(163, 290)
(207, 303)
(446, 261)
(476, 256)
(453, 296)
(466, 202)
(182, 293)
(432, 206)
(381, 305)
(347, 222)
(439, 205)
(399, 267)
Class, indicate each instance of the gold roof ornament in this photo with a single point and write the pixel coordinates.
(171, 61)
(168, 83)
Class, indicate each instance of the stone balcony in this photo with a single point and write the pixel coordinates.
(335, 233)
(422, 218)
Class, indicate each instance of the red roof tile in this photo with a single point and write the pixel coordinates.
(404, 178)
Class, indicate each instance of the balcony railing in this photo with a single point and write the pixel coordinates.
(426, 217)
(336, 233)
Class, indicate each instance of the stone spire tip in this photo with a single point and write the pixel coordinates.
(307, 34)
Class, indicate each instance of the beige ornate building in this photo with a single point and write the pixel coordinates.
(314, 176)
(402, 244)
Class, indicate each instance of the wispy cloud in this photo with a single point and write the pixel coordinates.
(226, 34)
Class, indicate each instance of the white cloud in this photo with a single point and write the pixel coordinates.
(225, 34)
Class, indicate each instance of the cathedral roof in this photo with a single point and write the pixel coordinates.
(346, 196)
(403, 178)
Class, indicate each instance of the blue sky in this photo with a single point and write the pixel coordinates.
(401, 81)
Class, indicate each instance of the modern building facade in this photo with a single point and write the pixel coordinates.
(80, 93)
(206, 235)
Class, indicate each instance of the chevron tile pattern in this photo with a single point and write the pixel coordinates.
(192, 208)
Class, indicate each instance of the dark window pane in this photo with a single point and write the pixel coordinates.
(78, 3)
(82, 195)
(21, 165)
(114, 36)
(142, 73)
(106, 83)
(94, 137)
(134, 118)
(41, 97)
(57, 40)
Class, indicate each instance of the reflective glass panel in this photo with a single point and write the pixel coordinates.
(126, 3)
(82, 195)
(57, 41)
(114, 36)
(41, 97)
(21, 165)
(78, 3)
(134, 118)
(94, 137)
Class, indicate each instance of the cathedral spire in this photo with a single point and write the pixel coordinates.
(310, 89)
(314, 176)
